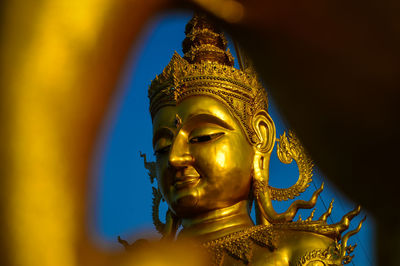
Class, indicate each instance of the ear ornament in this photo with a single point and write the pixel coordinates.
(169, 228)
(287, 151)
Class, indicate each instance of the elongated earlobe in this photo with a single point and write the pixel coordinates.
(264, 128)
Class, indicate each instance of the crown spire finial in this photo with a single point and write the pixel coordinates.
(207, 69)
(205, 42)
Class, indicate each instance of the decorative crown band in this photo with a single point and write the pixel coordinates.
(207, 69)
(239, 90)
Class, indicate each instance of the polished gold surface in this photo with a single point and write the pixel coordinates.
(41, 206)
(52, 58)
(55, 88)
(213, 139)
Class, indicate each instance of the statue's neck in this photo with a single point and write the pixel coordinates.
(217, 223)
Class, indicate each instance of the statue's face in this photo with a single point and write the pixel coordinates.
(204, 161)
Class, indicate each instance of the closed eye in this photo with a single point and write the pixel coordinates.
(162, 150)
(206, 138)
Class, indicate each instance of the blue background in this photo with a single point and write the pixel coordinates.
(122, 190)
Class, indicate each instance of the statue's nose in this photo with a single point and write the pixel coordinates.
(181, 161)
(180, 155)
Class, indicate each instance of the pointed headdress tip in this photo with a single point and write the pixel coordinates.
(165, 79)
(205, 42)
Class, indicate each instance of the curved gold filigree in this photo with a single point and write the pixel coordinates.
(150, 166)
(169, 228)
(321, 227)
(157, 197)
(239, 245)
(264, 199)
(338, 253)
(318, 257)
(345, 250)
(289, 149)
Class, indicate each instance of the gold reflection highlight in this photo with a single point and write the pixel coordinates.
(220, 158)
(42, 196)
(60, 61)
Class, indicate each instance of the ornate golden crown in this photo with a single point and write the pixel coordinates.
(207, 69)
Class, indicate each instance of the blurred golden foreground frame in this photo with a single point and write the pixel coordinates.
(332, 67)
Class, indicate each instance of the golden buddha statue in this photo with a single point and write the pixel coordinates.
(213, 139)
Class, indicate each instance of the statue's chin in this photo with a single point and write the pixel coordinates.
(185, 203)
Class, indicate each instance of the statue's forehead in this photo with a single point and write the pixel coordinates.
(190, 107)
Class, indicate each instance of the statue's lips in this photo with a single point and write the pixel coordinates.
(186, 181)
